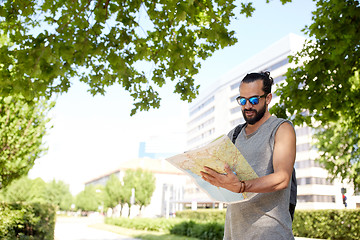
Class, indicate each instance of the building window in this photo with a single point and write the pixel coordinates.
(233, 98)
(303, 131)
(235, 109)
(303, 147)
(279, 79)
(201, 106)
(277, 65)
(204, 114)
(201, 126)
(235, 85)
(316, 198)
(237, 121)
(307, 164)
(313, 180)
(201, 136)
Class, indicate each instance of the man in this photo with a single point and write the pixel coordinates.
(268, 143)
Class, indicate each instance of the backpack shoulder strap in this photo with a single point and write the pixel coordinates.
(237, 132)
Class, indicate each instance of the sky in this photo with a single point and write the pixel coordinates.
(91, 136)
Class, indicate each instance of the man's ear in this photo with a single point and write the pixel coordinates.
(268, 98)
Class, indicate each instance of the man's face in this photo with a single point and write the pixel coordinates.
(253, 113)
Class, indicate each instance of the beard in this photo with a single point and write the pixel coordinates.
(258, 115)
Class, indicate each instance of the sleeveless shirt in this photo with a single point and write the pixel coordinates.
(266, 215)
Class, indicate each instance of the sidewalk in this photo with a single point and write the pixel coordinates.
(69, 228)
(77, 228)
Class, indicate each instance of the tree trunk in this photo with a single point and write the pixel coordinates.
(140, 209)
(129, 210)
(121, 208)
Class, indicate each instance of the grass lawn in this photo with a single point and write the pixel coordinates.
(140, 234)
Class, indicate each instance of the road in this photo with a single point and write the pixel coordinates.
(69, 228)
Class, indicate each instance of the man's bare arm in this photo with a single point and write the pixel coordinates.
(283, 162)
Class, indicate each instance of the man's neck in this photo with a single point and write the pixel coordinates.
(252, 128)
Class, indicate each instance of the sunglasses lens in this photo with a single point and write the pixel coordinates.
(242, 101)
(254, 100)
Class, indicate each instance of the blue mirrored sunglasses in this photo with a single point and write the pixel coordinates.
(253, 100)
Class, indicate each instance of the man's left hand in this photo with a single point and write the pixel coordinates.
(228, 181)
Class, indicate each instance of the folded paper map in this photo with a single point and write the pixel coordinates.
(215, 155)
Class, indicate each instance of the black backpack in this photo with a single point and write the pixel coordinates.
(293, 190)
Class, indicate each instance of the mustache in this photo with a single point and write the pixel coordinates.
(250, 110)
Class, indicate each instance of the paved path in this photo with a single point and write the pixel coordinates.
(71, 228)
(68, 228)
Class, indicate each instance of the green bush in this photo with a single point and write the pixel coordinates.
(27, 221)
(209, 224)
(148, 224)
(201, 230)
(209, 215)
(323, 224)
(327, 224)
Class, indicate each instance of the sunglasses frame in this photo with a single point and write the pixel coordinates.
(238, 99)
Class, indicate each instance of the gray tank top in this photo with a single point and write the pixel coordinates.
(266, 215)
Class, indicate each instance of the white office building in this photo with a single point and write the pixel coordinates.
(216, 112)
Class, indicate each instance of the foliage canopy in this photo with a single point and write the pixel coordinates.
(324, 91)
(36, 190)
(116, 193)
(22, 128)
(140, 45)
(90, 199)
(143, 182)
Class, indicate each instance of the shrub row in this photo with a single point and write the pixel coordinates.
(201, 230)
(27, 221)
(209, 224)
(327, 224)
(148, 224)
(209, 215)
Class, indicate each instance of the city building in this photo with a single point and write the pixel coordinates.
(174, 190)
(170, 182)
(216, 112)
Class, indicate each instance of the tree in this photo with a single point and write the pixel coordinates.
(144, 184)
(130, 182)
(116, 193)
(89, 199)
(58, 193)
(36, 190)
(25, 190)
(140, 45)
(146, 188)
(22, 127)
(323, 92)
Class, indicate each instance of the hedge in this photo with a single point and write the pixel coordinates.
(323, 224)
(27, 221)
(148, 224)
(209, 215)
(209, 224)
(201, 230)
(327, 224)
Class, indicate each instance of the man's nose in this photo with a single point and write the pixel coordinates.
(248, 105)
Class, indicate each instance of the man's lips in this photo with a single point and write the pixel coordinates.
(249, 113)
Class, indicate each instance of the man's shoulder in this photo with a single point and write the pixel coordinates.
(282, 123)
(231, 133)
(279, 121)
(283, 126)
(235, 129)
